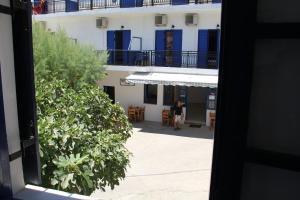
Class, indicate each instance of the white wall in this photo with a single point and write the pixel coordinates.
(141, 25)
(83, 28)
(134, 95)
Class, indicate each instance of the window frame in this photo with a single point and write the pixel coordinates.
(234, 89)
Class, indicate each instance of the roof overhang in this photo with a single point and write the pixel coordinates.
(173, 79)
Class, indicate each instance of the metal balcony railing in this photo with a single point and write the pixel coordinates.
(186, 59)
(54, 6)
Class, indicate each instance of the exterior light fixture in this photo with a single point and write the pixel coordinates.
(122, 27)
(173, 26)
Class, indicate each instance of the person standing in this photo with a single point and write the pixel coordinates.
(178, 113)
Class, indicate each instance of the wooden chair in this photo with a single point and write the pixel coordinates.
(212, 120)
(142, 114)
(165, 117)
(137, 113)
(132, 114)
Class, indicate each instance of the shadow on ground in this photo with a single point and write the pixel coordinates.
(185, 131)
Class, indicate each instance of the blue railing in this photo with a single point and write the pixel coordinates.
(186, 59)
(54, 6)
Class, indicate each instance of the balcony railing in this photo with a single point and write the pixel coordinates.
(53, 6)
(185, 59)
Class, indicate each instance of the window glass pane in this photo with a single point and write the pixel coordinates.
(169, 93)
(180, 93)
(150, 94)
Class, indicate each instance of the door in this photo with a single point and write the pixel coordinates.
(202, 48)
(160, 43)
(177, 48)
(196, 104)
(126, 38)
(110, 91)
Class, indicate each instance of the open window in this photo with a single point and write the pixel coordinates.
(258, 42)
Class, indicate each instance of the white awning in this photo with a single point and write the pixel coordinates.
(174, 79)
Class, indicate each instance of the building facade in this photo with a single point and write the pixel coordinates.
(159, 51)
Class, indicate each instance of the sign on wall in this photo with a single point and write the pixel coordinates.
(124, 82)
(211, 103)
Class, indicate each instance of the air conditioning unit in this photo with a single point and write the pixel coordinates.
(161, 20)
(102, 22)
(191, 19)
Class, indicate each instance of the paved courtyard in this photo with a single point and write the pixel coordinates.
(166, 164)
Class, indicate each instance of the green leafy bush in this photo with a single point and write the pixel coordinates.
(82, 136)
(81, 133)
(55, 54)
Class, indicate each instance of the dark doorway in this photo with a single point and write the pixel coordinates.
(212, 48)
(110, 91)
(119, 47)
(212, 40)
(196, 105)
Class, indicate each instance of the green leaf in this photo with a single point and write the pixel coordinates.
(88, 180)
(54, 181)
(65, 180)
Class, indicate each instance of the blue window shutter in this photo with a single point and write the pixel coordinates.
(36, 2)
(216, 1)
(139, 3)
(131, 3)
(180, 2)
(126, 39)
(126, 3)
(71, 5)
(177, 48)
(110, 46)
(202, 48)
(160, 44)
(126, 42)
(45, 11)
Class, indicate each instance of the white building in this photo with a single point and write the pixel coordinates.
(159, 50)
